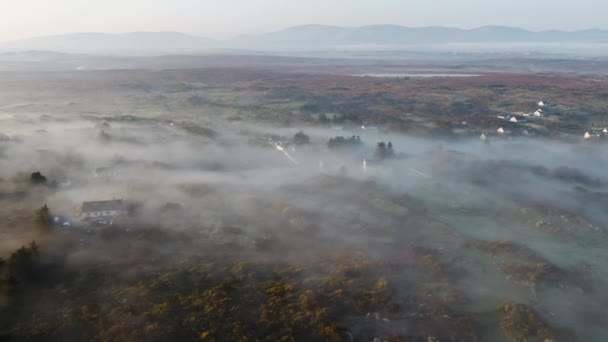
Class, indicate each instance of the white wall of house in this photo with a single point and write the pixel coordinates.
(102, 214)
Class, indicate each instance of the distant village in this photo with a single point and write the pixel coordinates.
(528, 124)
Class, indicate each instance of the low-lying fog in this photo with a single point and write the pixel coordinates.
(155, 158)
(194, 178)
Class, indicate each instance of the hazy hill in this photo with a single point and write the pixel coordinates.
(310, 36)
(319, 38)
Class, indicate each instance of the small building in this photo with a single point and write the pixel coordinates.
(483, 137)
(587, 135)
(103, 209)
(539, 113)
(501, 130)
(518, 119)
(605, 131)
(591, 134)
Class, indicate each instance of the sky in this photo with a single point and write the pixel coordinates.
(227, 18)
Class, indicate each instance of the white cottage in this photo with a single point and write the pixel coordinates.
(545, 103)
(103, 209)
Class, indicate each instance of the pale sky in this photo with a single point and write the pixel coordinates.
(226, 18)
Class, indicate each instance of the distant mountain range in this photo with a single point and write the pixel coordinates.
(308, 37)
(319, 35)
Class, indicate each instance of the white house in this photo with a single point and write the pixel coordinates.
(605, 131)
(501, 130)
(483, 137)
(587, 135)
(103, 209)
(513, 119)
(538, 113)
(545, 103)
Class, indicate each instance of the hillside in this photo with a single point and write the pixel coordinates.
(325, 38)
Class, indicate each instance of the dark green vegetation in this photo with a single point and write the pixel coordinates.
(523, 324)
(37, 178)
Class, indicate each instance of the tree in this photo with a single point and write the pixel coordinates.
(384, 151)
(23, 263)
(43, 218)
(37, 178)
(323, 119)
(301, 139)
